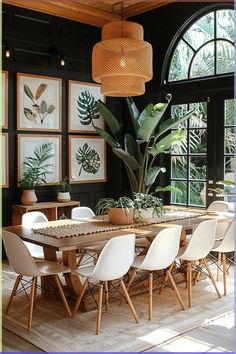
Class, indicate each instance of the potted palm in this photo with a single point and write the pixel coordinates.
(64, 194)
(120, 211)
(146, 206)
(35, 171)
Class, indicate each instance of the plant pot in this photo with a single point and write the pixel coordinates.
(28, 197)
(121, 216)
(63, 197)
(144, 215)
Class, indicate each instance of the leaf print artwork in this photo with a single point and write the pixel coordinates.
(88, 159)
(87, 108)
(38, 110)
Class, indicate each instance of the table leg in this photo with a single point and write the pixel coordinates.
(72, 281)
(49, 255)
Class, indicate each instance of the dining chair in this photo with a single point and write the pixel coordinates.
(113, 263)
(160, 256)
(82, 213)
(23, 264)
(199, 246)
(28, 220)
(222, 247)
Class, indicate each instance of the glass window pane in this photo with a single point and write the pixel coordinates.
(203, 63)
(198, 141)
(199, 117)
(229, 165)
(178, 111)
(197, 167)
(179, 198)
(225, 57)
(179, 167)
(229, 112)
(180, 62)
(225, 24)
(229, 140)
(201, 31)
(197, 193)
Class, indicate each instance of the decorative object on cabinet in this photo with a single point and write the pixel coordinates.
(82, 107)
(39, 103)
(64, 194)
(4, 175)
(29, 144)
(87, 159)
(52, 210)
(4, 118)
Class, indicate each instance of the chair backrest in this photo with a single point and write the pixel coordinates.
(18, 255)
(28, 219)
(201, 241)
(227, 244)
(115, 259)
(163, 249)
(82, 212)
(219, 206)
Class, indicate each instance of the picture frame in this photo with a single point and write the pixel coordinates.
(39, 103)
(26, 145)
(5, 162)
(4, 118)
(87, 159)
(81, 97)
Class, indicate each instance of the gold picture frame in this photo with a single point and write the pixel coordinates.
(5, 161)
(4, 118)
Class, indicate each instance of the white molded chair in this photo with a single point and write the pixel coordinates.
(83, 213)
(161, 255)
(28, 220)
(113, 263)
(220, 207)
(199, 246)
(23, 264)
(224, 246)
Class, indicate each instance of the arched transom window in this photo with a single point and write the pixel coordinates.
(206, 48)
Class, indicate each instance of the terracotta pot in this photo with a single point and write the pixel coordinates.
(121, 216)
(28, 197)
(63, 197)
(144, 215)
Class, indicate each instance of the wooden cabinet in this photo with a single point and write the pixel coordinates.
(52, 210)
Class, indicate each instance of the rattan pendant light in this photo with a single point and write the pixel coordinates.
(122, 61)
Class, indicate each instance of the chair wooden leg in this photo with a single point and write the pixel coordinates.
(106, 294)
(99, 310)
(166, 278)
(176, 290)
(198, 273)
(57, 280)
(150, 296)
(131, 278)
(129, 301)
(13, 293)
(32, 293)
(80, 259)
(218, 267)
(79, 298)
(189, 284)
(211, 276)
(224, 271)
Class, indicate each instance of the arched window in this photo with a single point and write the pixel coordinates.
(205, 49)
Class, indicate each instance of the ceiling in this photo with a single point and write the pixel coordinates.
(94, 12)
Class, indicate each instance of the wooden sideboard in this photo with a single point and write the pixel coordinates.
(52, 210)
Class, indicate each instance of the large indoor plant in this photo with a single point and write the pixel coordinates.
(120, 211)
(35, 170)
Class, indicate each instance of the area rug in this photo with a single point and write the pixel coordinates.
(52, 331)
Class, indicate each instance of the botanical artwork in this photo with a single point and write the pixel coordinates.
(4, 117)
(4, 173)
(83, 110)
(39, 103)
(32, 152)
(87, 159)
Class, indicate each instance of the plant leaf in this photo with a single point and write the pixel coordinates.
(134, 114)
(107, 137)
(169, 189)
(172, 122)
(152, 175)
(43, 107)
(131, 146)
(50, 109)
(128, 159)
(29, 115)
(226, 183)
(28, 92)
(109, 118)
(40, 90)
(164, 145)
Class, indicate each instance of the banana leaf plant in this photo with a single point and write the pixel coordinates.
(151, 137)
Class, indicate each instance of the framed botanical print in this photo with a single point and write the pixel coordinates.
(4, 117)
(5, 169)
(39, 103)
(82, 108)
(87, 159)
(34, 148)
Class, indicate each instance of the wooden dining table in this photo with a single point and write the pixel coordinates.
(69, 245)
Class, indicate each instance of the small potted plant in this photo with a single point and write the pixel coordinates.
(64, 194)
(120, 211)
(146, 206)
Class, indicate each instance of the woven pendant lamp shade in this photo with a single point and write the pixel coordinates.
(122, 61)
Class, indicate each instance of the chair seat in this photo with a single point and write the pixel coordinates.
(51, 268)
(84, 271)
(142, 242)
